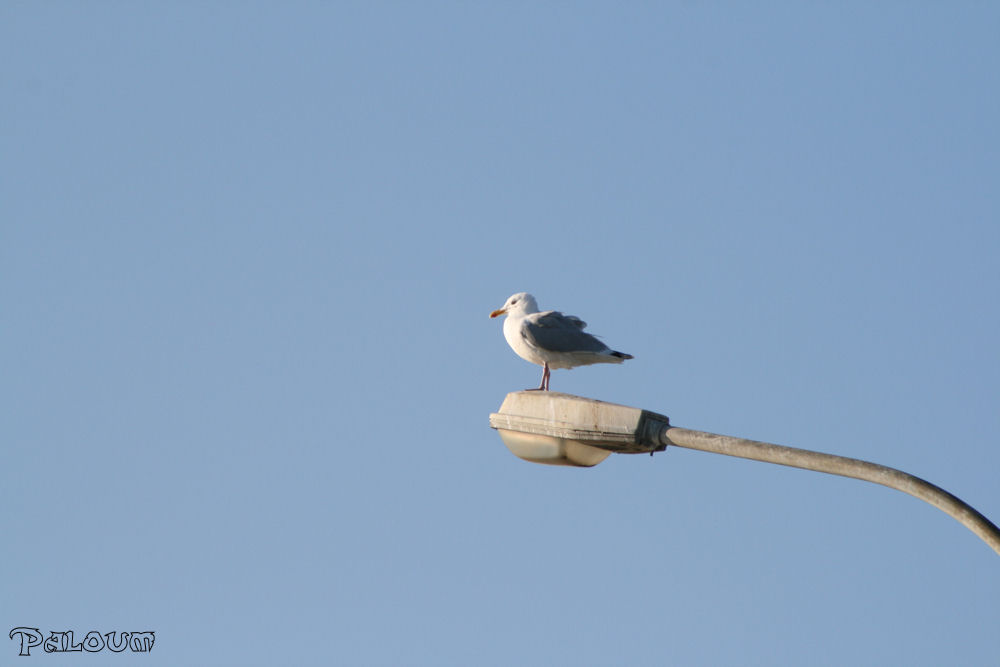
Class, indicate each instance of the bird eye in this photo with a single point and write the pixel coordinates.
(513, 302)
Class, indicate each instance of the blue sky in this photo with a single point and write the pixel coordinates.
(247, 254)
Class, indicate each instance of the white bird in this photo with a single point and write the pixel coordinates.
(551, 339)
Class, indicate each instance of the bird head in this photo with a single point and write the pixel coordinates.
(520, 303)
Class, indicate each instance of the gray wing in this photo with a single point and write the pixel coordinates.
(556, 332)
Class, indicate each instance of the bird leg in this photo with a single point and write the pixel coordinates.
(544, 386)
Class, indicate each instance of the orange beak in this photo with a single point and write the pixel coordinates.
(498, 313)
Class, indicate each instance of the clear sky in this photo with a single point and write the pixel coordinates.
(247, 254)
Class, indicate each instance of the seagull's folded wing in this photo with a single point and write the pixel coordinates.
(556, 332)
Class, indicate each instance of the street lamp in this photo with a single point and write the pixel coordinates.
(562, 429)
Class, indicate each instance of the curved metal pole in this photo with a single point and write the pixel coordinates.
(837, 465)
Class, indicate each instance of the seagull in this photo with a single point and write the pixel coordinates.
(551, 339)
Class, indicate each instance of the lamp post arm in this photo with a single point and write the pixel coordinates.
(837, 465)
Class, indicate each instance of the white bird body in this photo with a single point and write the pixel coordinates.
(551, 339)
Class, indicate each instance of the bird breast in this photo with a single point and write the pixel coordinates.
(512, 332)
